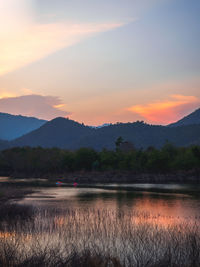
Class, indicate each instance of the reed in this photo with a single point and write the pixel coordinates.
(99, 237)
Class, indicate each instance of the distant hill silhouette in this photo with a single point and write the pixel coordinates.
(4, 144)
(101, 126)
(141, 135)
(193, 118)
(68, 134)
(59, 132)
(12, 126)
(65, 133)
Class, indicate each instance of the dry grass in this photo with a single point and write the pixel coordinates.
(98, 238)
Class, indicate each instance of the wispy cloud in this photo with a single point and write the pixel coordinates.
(45, 107)
(39, 40)
(167, 111)
(23, 40)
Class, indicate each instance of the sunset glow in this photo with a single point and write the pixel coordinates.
(106, 61)
(6, 95)
(99, 133)
(166, 111)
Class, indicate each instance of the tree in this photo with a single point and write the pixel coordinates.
(118, 142)
(84, 158)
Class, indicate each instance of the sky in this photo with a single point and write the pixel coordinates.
(102, 61)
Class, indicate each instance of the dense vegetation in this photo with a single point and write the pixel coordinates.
(39, 161)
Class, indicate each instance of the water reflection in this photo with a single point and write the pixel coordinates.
(165, 208)
(130, 225)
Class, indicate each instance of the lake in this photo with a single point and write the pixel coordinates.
(165, 201)
(137, 224)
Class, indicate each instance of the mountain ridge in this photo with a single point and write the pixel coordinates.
(192, 118)
(68, 134)
(14, 126)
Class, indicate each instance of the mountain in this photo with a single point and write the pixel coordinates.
(193, 118)
(101, 126)
(68, 134)
(4, 144)
(14, 126)
(59, 132)
(141, 135)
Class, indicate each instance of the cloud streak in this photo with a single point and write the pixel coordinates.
(40, 40)
(167, 111)
(44, 107)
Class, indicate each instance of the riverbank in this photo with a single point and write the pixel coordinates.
(10, 192)
(190, 177)
(94, 177)
(11, 212)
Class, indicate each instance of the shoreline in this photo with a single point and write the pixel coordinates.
(132, 177)
(94, 177)
(12, 192)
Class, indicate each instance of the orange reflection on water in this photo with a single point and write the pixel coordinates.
(60, 221)
(140, 210)
(162, 209)
(14, 235)
(163, 212)
(5, 235)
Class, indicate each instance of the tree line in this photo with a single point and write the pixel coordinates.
(39, 161)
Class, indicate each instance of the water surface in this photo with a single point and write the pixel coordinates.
(137, 224)
(176, 202)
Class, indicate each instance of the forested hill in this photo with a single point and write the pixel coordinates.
(193, 118)
(68, 134)
(12, 126)
(59, 132)
(141, 135)
(4, 144)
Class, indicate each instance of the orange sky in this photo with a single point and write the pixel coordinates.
(104, 62)
(166, 111)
